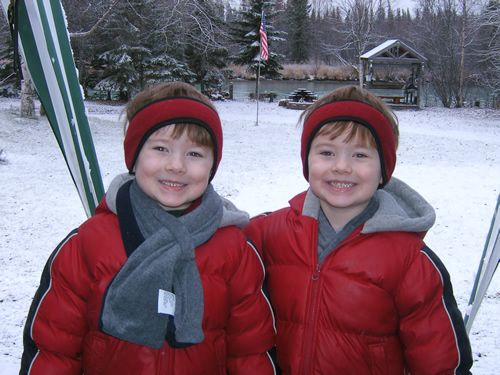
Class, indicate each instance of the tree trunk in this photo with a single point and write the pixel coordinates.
(27, 94)
(460, 99)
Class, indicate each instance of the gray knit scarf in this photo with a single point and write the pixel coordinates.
(164, 261)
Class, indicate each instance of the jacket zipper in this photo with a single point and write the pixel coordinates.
(313, 312)
(312, 321)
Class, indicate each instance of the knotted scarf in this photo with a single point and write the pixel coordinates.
(164, 261)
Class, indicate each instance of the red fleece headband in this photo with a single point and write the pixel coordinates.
(361, 113)
(169, 111)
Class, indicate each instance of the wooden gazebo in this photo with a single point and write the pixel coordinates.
(390, 53)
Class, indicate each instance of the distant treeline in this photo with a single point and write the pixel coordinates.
(120, 46)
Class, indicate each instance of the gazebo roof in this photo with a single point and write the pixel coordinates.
(393, 51)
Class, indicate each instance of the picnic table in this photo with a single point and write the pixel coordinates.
(394, 99)
(302, 95)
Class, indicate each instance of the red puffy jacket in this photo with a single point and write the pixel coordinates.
(62, 335)
(380, 303)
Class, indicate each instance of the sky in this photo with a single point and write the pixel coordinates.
(394, 3)
(450, 156)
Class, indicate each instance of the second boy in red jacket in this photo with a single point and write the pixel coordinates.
(355, 289)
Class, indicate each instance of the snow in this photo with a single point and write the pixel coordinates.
(451, 157)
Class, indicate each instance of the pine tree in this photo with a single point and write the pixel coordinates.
(390, 18)
(245, 34)
(298, 12)
(124, 52)
(140, 46)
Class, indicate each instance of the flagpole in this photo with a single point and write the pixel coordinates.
(258, 89)
(258, 68)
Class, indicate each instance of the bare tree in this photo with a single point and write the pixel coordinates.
(355, 35)
(468, 29)
(439, 42)
(487, 50)
(446, 35)
(107, 13)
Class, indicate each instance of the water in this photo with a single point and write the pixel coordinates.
(242, 89)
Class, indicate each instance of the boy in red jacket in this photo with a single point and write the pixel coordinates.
(355, 289)
(160, 280)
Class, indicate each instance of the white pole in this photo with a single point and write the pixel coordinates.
(487, 267)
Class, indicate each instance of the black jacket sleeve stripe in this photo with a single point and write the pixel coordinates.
(30, 349)
(272, 353)
(463, 344)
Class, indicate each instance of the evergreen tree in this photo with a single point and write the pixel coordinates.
(9, 82)
(298, 12)
(245, 34)
(281, 23)
(82, 16)
(123, 51)
(314, 36)
(390, 18)
(380, 13)
(140, 45)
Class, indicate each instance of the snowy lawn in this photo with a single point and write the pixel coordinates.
(452, 157)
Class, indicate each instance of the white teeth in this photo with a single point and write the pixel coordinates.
(342, 185)
(171, 184)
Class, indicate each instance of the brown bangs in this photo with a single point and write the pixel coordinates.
(353, 129)
(195, 133)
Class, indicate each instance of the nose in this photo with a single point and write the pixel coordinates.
(175, 163)
(342, 164)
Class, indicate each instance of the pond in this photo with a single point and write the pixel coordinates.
(242, 89)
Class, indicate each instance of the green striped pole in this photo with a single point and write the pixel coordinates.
(45, 46)
(490, 259)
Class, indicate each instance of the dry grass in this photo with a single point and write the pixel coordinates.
(303, 71)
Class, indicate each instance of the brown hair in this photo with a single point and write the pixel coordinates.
(353, 129)
(357, 94)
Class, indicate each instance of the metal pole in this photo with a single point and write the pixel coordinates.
(258, 89)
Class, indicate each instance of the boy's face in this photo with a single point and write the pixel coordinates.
(343, 175)
(174, 172)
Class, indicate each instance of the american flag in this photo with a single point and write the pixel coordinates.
(264, 50)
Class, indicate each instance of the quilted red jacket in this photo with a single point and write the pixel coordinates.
(62, 335)
(380, 303)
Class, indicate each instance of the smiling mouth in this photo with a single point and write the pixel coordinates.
(172, 184)
(341, 185)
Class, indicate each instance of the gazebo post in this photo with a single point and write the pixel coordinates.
(420, 72)
(361, 73)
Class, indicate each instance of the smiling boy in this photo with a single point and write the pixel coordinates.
(161, 279)
(355, 289)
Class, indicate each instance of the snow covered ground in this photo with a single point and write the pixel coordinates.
(452, 157)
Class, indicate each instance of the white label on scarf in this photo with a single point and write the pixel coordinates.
(166, 302)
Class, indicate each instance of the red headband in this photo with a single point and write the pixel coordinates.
(171, 111)
(359, 112)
